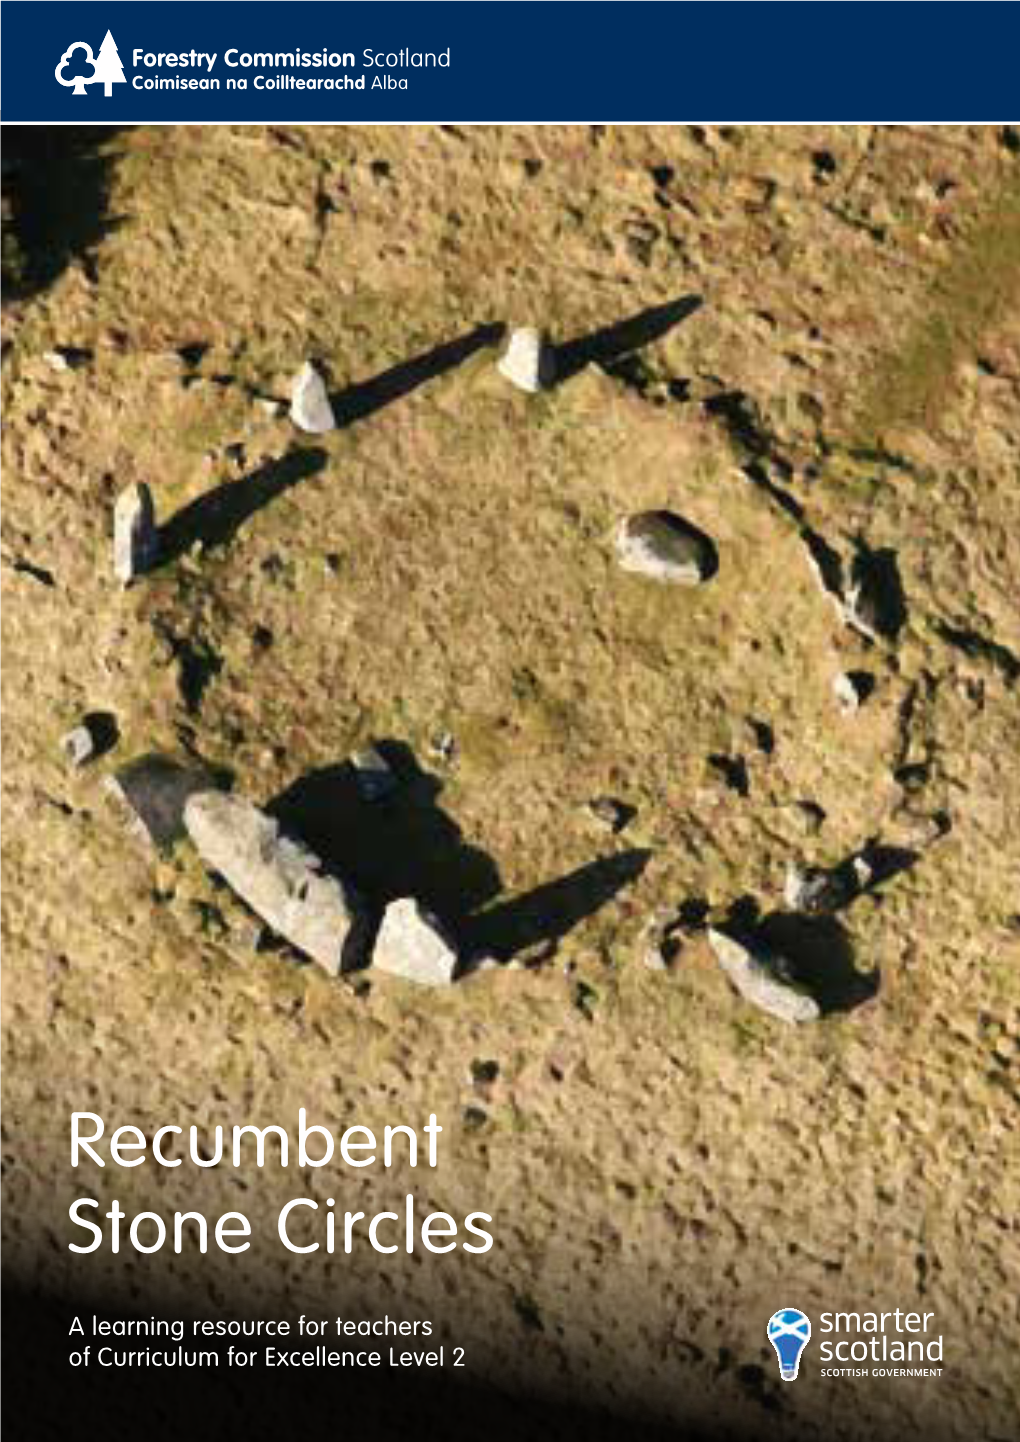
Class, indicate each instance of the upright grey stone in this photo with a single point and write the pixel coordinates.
(135, 536)
(663, 546)
(528, 361)
(277, 876)
(310, 409)
(760, 978)
(411, 944)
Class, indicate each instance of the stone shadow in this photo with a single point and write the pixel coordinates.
(215, 518)
(613, 342)
(56, 183)
(820, 956)
(362, 400)
(405, 844)
(401, 844)
(547, 914)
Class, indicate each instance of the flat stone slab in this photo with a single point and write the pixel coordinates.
(411, 944)
(758, 979)
(279, 877)
(665, 547)
(155, 789)
(310, 409)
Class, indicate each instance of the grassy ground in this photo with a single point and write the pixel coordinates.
(664, 1167)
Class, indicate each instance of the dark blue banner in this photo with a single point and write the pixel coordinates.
(123, 61)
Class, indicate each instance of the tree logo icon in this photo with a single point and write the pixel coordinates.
(106, 67)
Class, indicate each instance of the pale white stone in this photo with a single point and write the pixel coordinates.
(527, 361)
(276, 875)
(410, 944)
(758, 981)
(135, 536)
(310, 409)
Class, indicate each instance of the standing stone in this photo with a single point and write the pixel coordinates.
(310, 409)
(135, 535)
(760, 979)
(663, 546)
(277, 876)
(411, 944)
(528, 361)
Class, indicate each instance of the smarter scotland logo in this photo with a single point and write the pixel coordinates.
(77, 60)
(789, 1332)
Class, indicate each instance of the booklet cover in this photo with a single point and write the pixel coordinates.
(510, 676)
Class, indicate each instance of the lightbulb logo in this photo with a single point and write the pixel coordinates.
(789, 1333)
(106, 67)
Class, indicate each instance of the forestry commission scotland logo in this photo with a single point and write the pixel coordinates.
(789, 1333)
(76, 61)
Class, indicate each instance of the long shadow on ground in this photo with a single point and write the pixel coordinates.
(405, 844)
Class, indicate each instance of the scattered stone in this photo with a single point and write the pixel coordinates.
(443, 747)
(412, 945)
(863, 872)
(78, 745)
(373, 774)
(818, 891)
(155, 790)
(661, 545)
(280, 878)
(762, 978)
(95, 735)
(310, 409)
(528, 361)
(135, 535)
(852, 689)
(56, 361)
(609, 812)
(660, 946)
(917, 830)
(271, 408)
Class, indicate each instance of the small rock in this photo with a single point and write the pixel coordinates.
(411, 944)
(662, 545)
(443, 747)
(816, 891)
(609, 812)
(280, 878)
(528, 361)
(95, 735)
(56, 361)
(155, 790)
(373, 775)
(271, 408)
(78, 745)
(863, 872)
(917, 830)
(135, 535)
(762, 980)
(852, 689)
(310, 409)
